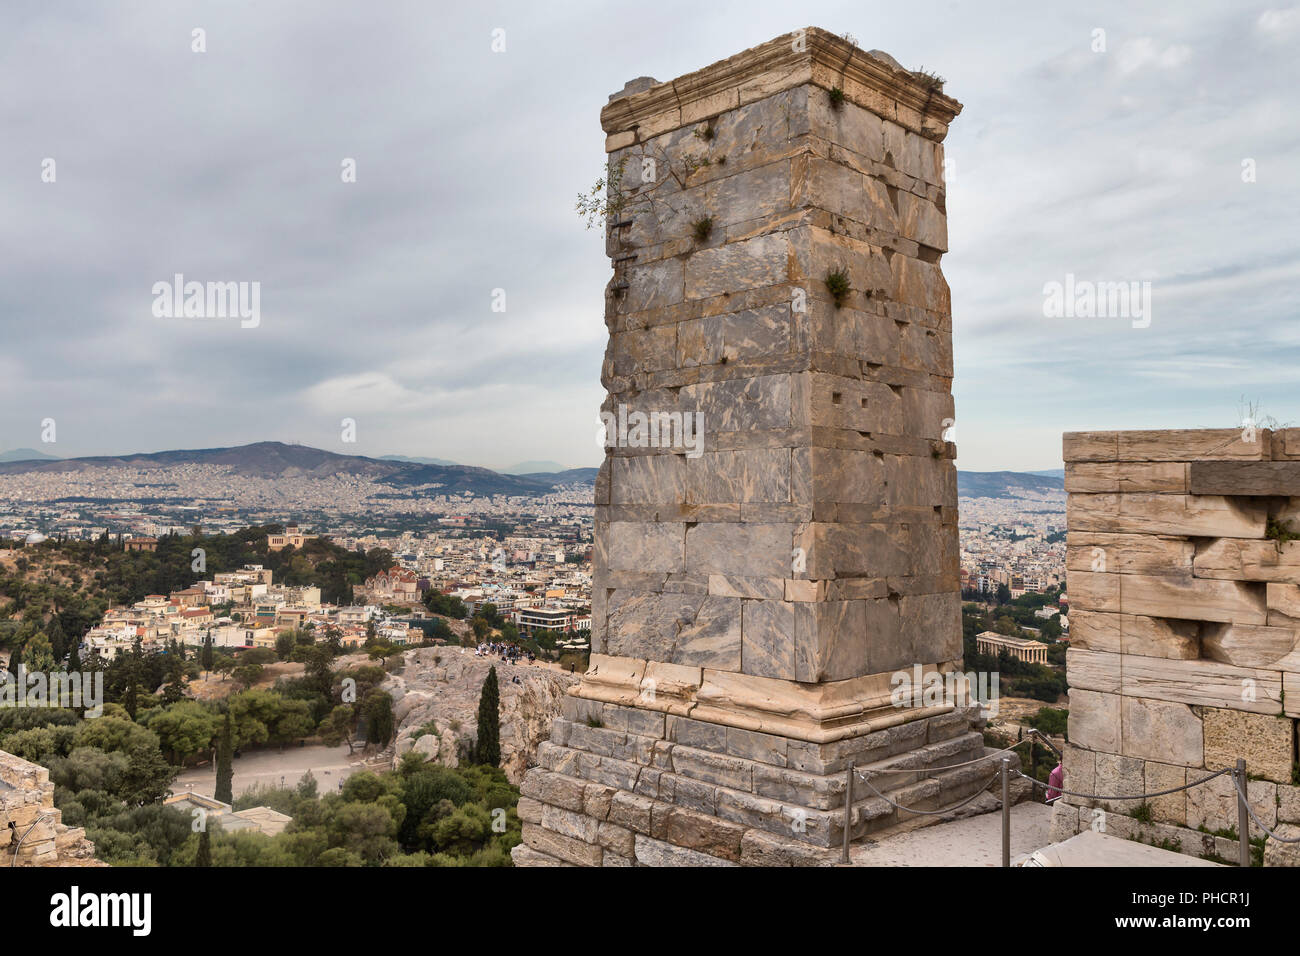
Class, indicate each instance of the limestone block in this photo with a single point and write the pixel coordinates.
(1195, 599)
(1264, 741)
(1265, 478)
(850, 127)
(650, 852)
(1162, 730)
(1093, 591)
(750, 263)
(1213, 805)
(1192, 444)
(735, 585)
(1065, 822)
(1126, 477)
(1288, 803)
(1247, 645)
(1093, 670)
(769, 637)
(746, 404)
(653, 285)
(1119, 776)
(1172, 807)
(687, 629)
(1159, 637)
(1095, 631)
(1283, 854)
(734, 337)
(646, 546)
(567, 823)
(1202, 682)
(1197, 515)
(1240, 559)
(561, 847)
(875, 550)
(648, 479)
(1094, 722)
(751, 550)
(1089, 446)
(1129, 553)
(1283, 602)
(760, 474)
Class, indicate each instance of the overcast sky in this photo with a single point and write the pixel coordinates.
(1122, 165)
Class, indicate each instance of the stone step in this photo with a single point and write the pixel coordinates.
(903, 770)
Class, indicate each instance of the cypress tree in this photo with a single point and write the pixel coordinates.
(15, 659)
(204, 856)
(206, 658)
(225, 769)
(487, 748)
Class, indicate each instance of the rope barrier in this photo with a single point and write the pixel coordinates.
(954, 766)
(934, 813)
(1140, 796)
(1259, 823)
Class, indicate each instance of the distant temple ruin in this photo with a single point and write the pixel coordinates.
(776, 521)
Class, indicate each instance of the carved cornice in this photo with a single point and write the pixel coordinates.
(825, 60)
(818, 713)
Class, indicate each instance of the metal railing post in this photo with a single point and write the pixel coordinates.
(848, 813)
(1243, 815)
(1033, 767)
(1006, 811)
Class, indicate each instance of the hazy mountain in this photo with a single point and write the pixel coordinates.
(26, 454)
(271, 459)
(1050, 473)
(419, 461)
(533, 468)
(1001, 484)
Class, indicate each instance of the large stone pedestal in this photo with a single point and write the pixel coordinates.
(781, 540)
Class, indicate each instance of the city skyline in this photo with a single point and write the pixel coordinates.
(1163, 156)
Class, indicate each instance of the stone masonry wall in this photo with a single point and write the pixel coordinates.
(1184, 609)
(27, 798)
(815, 536)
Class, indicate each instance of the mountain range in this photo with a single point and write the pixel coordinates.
(271, 459)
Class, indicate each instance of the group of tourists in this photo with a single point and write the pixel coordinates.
(508, 653)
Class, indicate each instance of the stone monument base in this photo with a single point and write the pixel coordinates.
(622, 785)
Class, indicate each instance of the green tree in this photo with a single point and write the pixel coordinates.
(225, 762)
(204, 855)
(205, 658)
(377, 709)
(487, 746)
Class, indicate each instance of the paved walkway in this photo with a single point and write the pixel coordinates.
(329, 765)
(974, 841)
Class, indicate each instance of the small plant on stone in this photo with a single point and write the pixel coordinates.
(837, 284)
(1280, 531)
(702, 228)
(929, 79)
(1142, 813)
(706, 132)
(595, 722)
(837, 97)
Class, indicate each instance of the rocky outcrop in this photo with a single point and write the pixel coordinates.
(435, 704)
